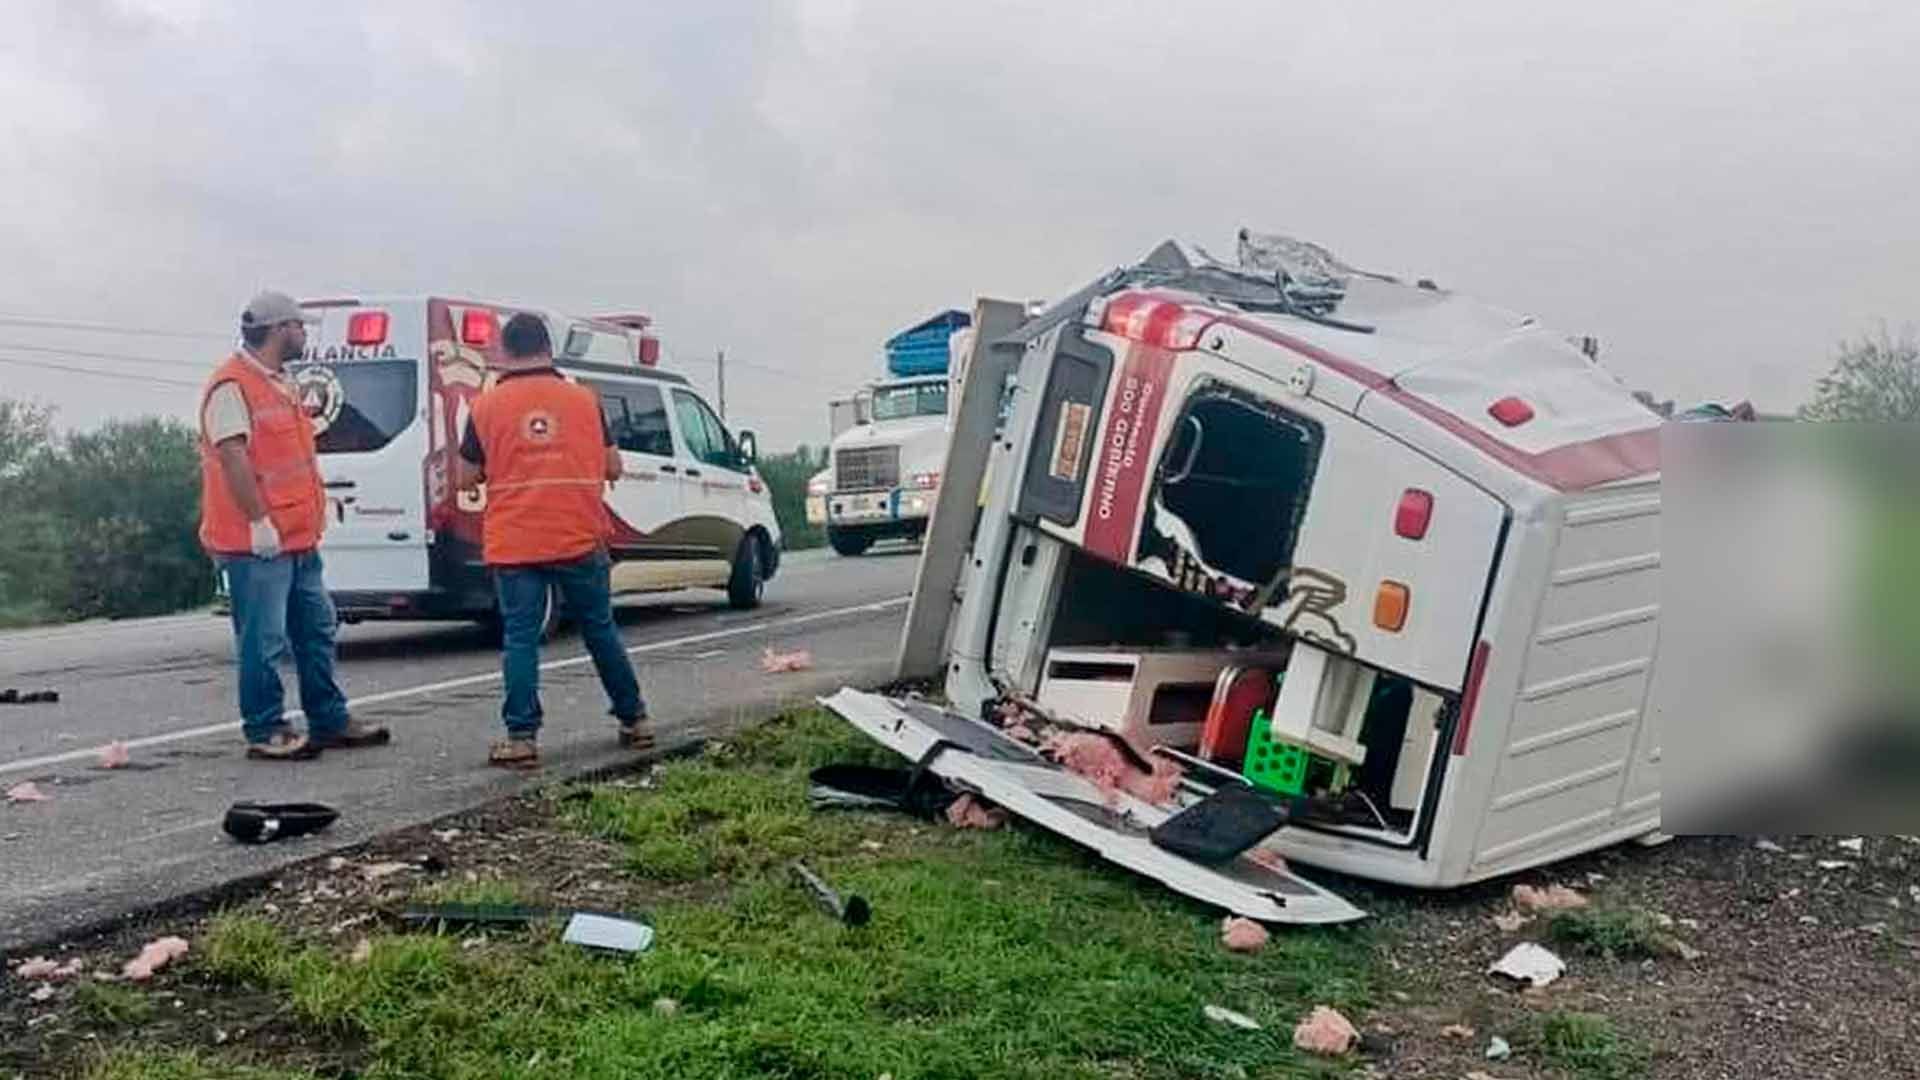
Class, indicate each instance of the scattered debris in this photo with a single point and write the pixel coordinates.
(1325, 1032)
(1834, 864)
(362, 952)
(853, 911)
(43, 993)
(40, 967)
(1769, 847)
(1498, 1049)
(1530, 963)
(968, 812)
(27, 791)
(29, 697)
(1878, 929)
(1456, 1031)
(155, 955)
(1099, 758)
(114, 755)
(446, 836)
(1227, 1016)
(775, 663)
(259, 823)
(666, 1007)
(1546, 901)
(1243, 935)
(1857, 844)
(1674, 947)
(1510, 922)
(382, 871)
(608, 933)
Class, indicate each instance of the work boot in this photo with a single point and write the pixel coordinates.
(285, 744)
(355, 735)
(512, 753)
(636, 734)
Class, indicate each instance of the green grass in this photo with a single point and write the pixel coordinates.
(24, 616)
(113, 1005)
(178, 1065)
(1613, 933)
(1586, 1045)
(1003, 954)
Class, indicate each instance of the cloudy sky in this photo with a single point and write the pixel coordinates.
(1720, 191)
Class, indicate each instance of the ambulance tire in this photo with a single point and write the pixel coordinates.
(848, 543)
(749, 581)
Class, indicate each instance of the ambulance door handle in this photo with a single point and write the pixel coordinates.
(669, 468)
(1193, 455)
(693, 472)
(338, 485)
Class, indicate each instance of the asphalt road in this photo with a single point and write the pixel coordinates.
(113, 841)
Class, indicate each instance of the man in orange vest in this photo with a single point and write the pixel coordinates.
(261, 514)
(541, 445)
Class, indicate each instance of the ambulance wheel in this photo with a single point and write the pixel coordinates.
(849, 543)
(749, 581)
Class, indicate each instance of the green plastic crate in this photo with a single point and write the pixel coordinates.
(1276, 766)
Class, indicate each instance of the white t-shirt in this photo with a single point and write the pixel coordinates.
(226, 415)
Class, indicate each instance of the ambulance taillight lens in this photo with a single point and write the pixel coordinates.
(1153, 320)
(367, 328)
(1510, 411)
(1390, 606)
(477, 327)
(1414, 513)
(647, 350)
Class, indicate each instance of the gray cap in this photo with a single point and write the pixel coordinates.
(272, 309)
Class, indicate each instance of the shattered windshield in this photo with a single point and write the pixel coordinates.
(901, 402)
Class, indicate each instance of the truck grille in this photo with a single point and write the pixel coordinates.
(866, 468)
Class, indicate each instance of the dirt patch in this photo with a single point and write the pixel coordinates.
(514, 848)
(1766, 963)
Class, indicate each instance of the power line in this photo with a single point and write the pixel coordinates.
(86, 354)
(104, 328)
(156, 380)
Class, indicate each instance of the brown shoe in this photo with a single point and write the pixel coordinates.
(284, 744)
(513, 753)
(355, 735)
(637, 735)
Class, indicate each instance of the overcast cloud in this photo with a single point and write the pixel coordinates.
(1720, 191)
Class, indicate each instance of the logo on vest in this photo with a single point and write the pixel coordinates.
(540, 426)
(320, 395)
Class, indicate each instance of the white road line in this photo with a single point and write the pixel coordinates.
(45, 761)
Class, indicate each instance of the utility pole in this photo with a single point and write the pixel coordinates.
(720, 362)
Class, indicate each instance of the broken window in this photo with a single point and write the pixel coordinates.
(1229, 495)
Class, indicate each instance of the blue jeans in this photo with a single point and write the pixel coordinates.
(588, 598)
(281, 608)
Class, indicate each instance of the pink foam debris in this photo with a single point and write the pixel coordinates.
(40, 967)
(1268, 859)
(114, 755)
(773, 663)
(1325, 1032)
(1528, 899)
(1099, 760)
(1243, 935)
(153, 956)
(967, 812)
(26, 791)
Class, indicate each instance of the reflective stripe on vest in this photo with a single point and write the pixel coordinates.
(280, 446)
(546, 467)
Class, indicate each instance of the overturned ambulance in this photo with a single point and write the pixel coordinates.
(1380, 553)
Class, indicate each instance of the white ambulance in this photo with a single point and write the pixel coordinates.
(1430, 526)
(390, 382)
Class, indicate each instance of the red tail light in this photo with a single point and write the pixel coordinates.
(1470, 696)
(367, 328)
(1511, 411)
(1415, 511)
(647, 350)
(754, 485)
(478, 327)
(1155, 320)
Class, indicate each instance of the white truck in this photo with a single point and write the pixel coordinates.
(1374, 563)
(889, 442)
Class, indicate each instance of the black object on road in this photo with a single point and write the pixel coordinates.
(853, 911)
(870, 787)
(11, 696)
(259, 823)
(1222, 825)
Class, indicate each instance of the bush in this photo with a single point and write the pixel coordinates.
(786, 476)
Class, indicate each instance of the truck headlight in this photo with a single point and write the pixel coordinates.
(820, 486)
(926, 481)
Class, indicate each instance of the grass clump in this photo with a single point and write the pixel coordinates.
(112, 1005)
(1612, 933)
(1588, 1046)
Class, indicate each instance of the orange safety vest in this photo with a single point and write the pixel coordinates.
(546, 462)
(280, 446)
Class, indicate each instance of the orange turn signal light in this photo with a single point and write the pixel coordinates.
(1390, 606)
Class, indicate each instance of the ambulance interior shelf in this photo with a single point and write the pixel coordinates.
(1374, 734)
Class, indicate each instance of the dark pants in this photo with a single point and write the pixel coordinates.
(588, 598)
(281, 609)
